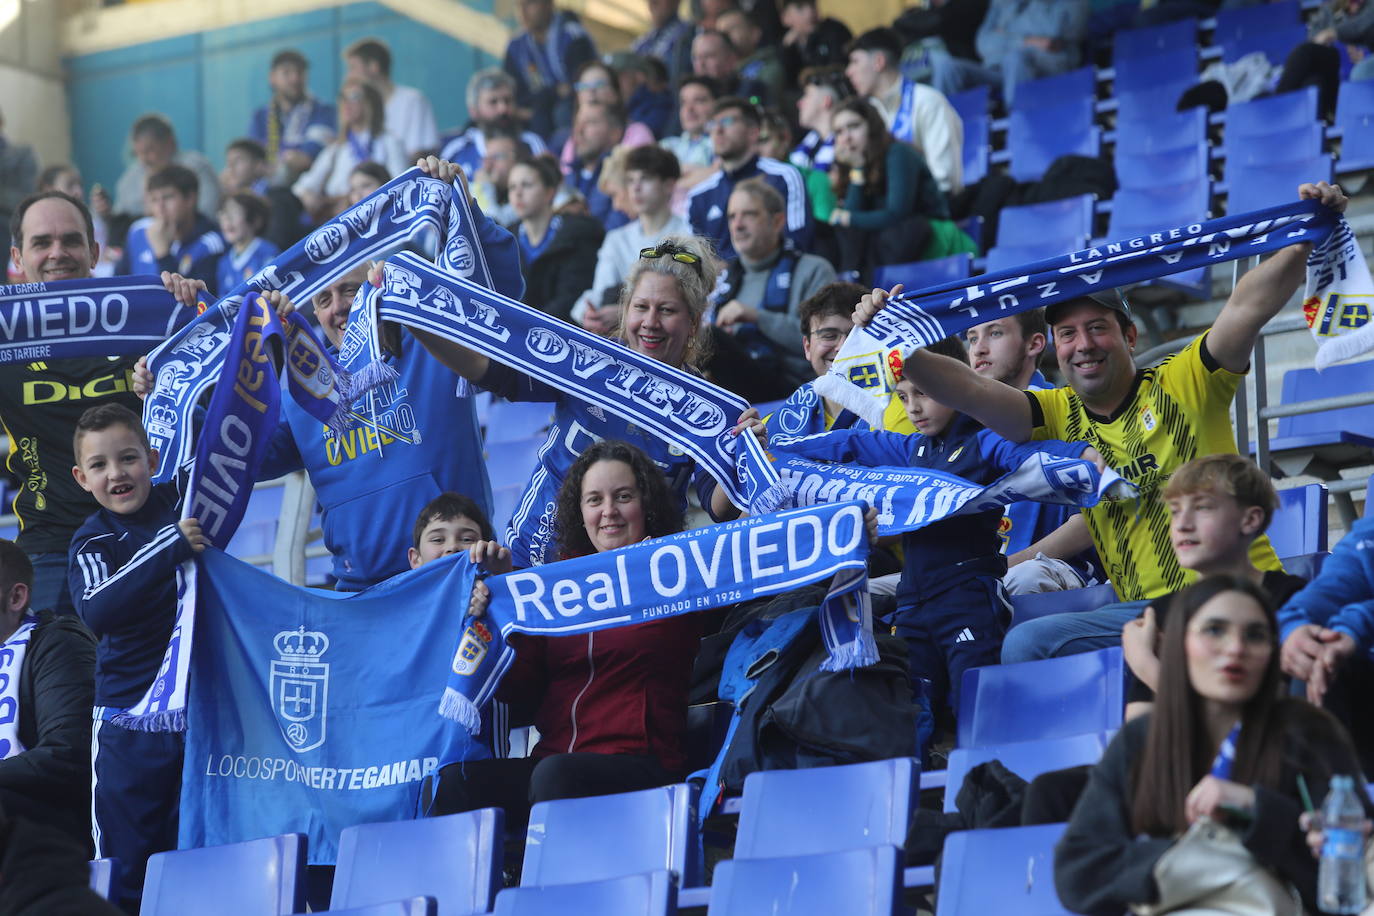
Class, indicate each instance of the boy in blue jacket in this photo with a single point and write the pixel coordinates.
(122, 574)
(951, 607)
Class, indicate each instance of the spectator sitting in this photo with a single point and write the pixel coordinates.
(1317, 62)
(491, 109)
(775, 136)
(597, 130)
(644, 87)
(294, 126)
(650, 173)
(714, 55)
(542, 60)
(122, 569)
(408, 115)
(759, 63)
(913, 112)
(48, 692)
(176, 237)
(1220, 744)
(734, 128)
(366, 178)
(891, 210)
(1018, 41)
(363, 136)
(669, 39)
(557, 250)
(154, 145)
(822, 90)
(243, 218)
(696, 96)
(598, 84)
(758, 301)
(490, 186)
(1048, 547)
(246, 170)
(811, 41)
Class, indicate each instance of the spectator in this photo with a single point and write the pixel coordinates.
(822, 90)
(1017, 41)
(759, 64)
(449, 523)
(243, 218)
(825, 325)
(891, 210)
(491, 185)
(734, 128)
(811, 41)
(48, 694)
(669, 39)
(491, 108)
(953, 24)
(542, 60)
(18, 173)
(913, 112)
(176, 237)
(557, 250)
(246, 170)
(714, 55)
(1220, 744)
(1317, 62)
(363, 136)
(598, 129)
(154, 145)
(644, 87)
(1146, 423)
(758, 300)
(651, 173)
(407, 115)
(294, 126)
(695, 156)
(61, 177)
(775, 136)
(122, 573)
(598, 84)
(610, 707)
(366, 178)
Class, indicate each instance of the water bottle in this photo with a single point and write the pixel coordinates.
(1340, 881)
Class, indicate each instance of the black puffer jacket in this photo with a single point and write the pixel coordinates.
(566, 268)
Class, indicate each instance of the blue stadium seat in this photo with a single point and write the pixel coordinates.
(482, 401)
(104, 876)
(1159, 100)
(1009, 871)
(573, 840)
(920, 274)
(1355, 119)
(1137, 212)
(1051, 698)
(503, 503)
(1154, 40)
(1051, 92)
(858, 804)
(855, 882)
(511, 420)
(1027, 759)
(265, 876)
(1254, 187)
(977, 147)
(257, 533)
(1069, 219)
(971, 103)
(456, 859)
(1038, 136)
(1233, 24)
(650, 894)
(1042, 604)
(1006, 257)
(1272, 113)
(1276, 44)
(1286, 145)
(1161, 131)
(510, 462)
(1299, 525)
(1145, 170)
(414, 906)
(1136, 73)
(1307, 565)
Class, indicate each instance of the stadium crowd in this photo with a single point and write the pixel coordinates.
(719, 197)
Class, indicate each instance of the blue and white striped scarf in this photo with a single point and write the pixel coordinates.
(67, 319)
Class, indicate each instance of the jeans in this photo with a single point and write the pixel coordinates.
(50, 592)
(1069, 634)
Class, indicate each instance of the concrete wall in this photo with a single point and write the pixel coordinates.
(31, 90)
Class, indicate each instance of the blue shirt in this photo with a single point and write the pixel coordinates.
(235, 267)
(707, 203)
(1341, 598)
(468, 148)
(306, 126)
(194, 255)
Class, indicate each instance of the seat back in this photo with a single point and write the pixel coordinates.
(855, 882)
(265, 876)
(1234, 24)
(916, 275)
(512, 420)
(1069, 220)
(456, 859)
(858, 804)
(1141, 103)
(574, 840)
(1160, 132)
(1272, 113)
(1299, 524)
(1305, 566)
(1053, 91)
(510, 462)
(104, 876)
(1153, 40)
(1133, 73)
(1038, 136)
(977, 147)
(1355, 119)
(1009, 871)
(1275, 44)
(971, 103)
(1027, 759)
(1254, 187)
(650, 894)
(1006, 257)
(1308, 384)
(1050, 698)
(1282, 145)
(1072, 600)
(1154, 208)
(1145, 170)
(413, 906)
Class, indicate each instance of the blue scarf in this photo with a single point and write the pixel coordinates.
(801, 415)
(678, 574)
(1226, 754)
(776, 294)
(67, 319)
(862, 378)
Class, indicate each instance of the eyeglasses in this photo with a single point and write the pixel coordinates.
(589, 85)
(681, 255)
(725, 122)
(829, 335)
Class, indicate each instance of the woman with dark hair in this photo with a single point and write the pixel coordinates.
(557, 250)
(610, 706)
(323, 189)
(891, 209)
(1220, 744)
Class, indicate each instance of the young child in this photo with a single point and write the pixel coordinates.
(951, 608)
(449, 523)
(243, 218)
(122, 575)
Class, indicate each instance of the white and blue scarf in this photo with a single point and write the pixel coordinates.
(865, 371)
(678, 574)
(11, 667)
(67, 319)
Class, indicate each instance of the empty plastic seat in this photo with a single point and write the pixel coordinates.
(1027, 759)
(1335, 438)
(414, 906)
(977, 147)
(1355, 119)
(258, 878)
(1054, 91)
(650, 894)
(859, 804)
(104, 876)
(257, 533)
(1051, 698)
(1285, 145)
(573, 840)
(1275, 44)
(1254, 187)
(1007, 257)
(1133, 73)
(1070, 219)
(510, 420)
(1008, 871)
(510, 462)
(855, 882)
(1140, 211)
(456, 859)
(971, 103)
(1143, 103)
(1233, 24)
(1145, 170)
(915, 275)
(1154, 40)
(1038, 136)
(1073, 600)
(1272, 113)
(1305, 566)
(1161, 131)
(1299, 524)
(503, 503)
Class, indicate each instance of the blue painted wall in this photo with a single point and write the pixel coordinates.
(208, 84)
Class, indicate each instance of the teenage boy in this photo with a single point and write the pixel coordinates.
(695, 156)
(951, 607)
(174, 237)
(122, 572)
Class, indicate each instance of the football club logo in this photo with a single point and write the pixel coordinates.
(472, 649)
(300, 687)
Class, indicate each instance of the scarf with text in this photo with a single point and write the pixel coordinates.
(865, 371)
(67, 319)
(803, 414)
(692, 571)
(11, 667)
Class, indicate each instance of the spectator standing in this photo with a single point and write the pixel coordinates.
(409, 116)
(176, 237)
(542, 60)
(669, 39)
(1019, 40)
(365, 178)
(363, 136)
(154, 145)
(695, 155)
(18, 175)
(810, 40)
(246, 170)
(557, 250)
(491, 108)
(294, 126)
(913, 112)
(758, 63)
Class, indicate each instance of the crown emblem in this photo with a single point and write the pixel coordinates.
(298, 645)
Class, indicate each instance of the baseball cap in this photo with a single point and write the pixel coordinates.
(1114, 299)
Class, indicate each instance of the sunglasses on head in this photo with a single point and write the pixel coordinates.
(681, 255)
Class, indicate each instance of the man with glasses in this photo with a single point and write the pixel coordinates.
(734, 129)
(491, 109)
